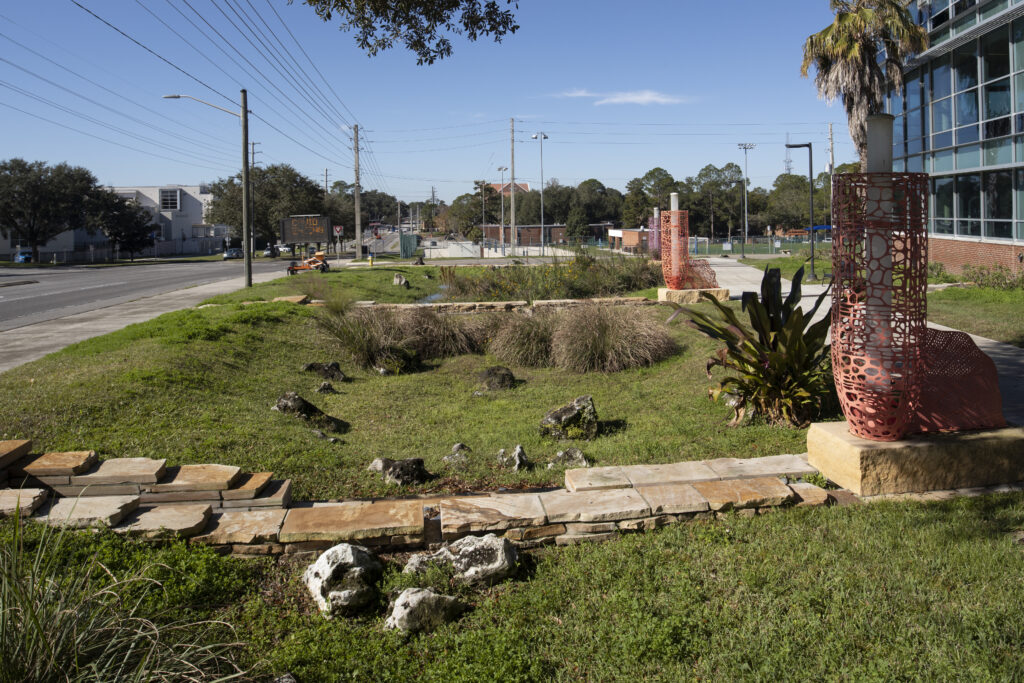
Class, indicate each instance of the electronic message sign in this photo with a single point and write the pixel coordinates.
(312, 228)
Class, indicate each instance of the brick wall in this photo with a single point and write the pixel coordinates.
(955, 254)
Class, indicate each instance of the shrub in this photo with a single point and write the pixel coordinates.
(608, 339)
(525, 339)
(937, 273)
(88, 624)
(584, 276)
(430, 334)
(997, 277)
(371, 336)
(782, 364)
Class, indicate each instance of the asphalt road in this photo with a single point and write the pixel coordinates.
(34, 295)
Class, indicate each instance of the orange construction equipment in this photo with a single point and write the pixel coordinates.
(316, 262)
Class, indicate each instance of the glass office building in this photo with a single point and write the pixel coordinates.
(960, 118)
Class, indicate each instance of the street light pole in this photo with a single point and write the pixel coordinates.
(810, 184)
(745, 146)
(542, 137)
(246, 190)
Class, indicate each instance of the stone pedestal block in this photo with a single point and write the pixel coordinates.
(917, 463)
(691, 296)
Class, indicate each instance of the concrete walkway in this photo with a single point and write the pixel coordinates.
(24, 344)
(1009, 359)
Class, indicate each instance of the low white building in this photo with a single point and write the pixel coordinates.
(179, 213)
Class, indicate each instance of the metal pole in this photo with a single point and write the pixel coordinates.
(247, 255)
(745, 146)
(359, 226)
(514, 237)
(541, 137)
(501, 195)
(810, 183)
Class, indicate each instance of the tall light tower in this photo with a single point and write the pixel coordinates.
(746, 147)
(541, 137)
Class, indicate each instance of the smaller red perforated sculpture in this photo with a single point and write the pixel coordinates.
(893, 375)
(681, 271)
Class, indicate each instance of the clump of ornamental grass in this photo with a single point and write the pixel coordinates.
(608, 339)
(89, 625)
(525, 339)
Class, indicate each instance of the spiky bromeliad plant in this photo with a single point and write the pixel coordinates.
(781, 364)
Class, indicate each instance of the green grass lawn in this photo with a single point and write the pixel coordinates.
(993, 313)
(790, 264)
(890, 591)
(197, 386)
(360, 284)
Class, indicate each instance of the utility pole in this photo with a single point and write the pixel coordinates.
(483, 205)
(252, 196)
(514, 237)
(246, 190)
(325, 183)
(746, 147)
(359, 227)
(789, 159)
(810, 184)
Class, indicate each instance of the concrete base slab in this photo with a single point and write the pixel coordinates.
(691, 296)
(86, 512)
(22, 501)
(183, 521)
(464, 515)
(594, 506)
(353, 521)
(123, 471)
(916, 464)
(55, 464)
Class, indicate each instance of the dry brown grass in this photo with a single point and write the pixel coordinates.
(525, 339)
(608, 339)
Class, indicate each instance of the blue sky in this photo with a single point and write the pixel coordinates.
(618, 87)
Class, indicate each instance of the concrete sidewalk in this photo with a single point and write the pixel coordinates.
(24, 344)
(1009, 359)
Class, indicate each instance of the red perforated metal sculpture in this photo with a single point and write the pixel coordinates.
(879, 262)
(887, 367)
(681, 271)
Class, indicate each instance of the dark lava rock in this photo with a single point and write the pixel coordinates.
(578, 420)
(326, 370)
(291, 403)
(497, 378)
(326, 388)
(406, 472)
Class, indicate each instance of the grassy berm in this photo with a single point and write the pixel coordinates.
(197, 386)
(889, 591)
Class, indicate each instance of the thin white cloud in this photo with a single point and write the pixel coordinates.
(641, 97)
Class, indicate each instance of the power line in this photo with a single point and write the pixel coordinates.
(163, 59)
(90, 119)
(103, 139)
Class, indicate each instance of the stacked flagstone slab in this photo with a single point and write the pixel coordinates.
(138, 496)
(244, 513)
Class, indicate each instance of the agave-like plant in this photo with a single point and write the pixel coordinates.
(781, 364)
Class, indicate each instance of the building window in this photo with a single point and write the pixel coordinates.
(169, 200)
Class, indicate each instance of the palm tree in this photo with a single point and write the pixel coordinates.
(849, 56)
